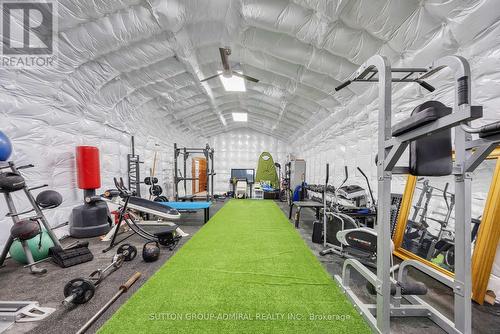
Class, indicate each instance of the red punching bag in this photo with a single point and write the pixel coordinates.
(89, 219)
(88, 167)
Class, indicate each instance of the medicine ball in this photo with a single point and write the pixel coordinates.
(49, 199)
(5, 147)
(11, 182)
(25, 229)
(39, 253)
(151, 251)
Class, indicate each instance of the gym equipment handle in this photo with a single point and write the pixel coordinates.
(130, 282)
(38, 187)
(111, 193)
(426, 85)
(26, 166)
(368, 183)
(346, 173)
(343, 85)
(92, 199)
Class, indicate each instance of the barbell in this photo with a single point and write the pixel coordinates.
(81, 290)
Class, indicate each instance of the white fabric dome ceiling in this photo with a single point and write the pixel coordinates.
(129, 59)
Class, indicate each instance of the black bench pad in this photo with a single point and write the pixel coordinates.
(429, 112)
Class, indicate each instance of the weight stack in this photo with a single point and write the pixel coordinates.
(90, 219)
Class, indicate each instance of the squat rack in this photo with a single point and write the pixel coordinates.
(469, 154)
(208, 153)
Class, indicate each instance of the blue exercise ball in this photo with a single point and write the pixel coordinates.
(5, 147)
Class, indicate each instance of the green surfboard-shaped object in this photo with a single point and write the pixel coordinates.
(266, 171)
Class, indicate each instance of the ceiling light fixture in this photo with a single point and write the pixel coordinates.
(240, 116)
(232, 83)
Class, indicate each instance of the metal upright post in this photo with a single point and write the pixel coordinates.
(462, 280)
(206, 152)
(176, 186)
(212, 152)
(383, 284)
(185, 171)
(133, 145)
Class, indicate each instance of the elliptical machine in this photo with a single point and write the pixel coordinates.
(350, 239)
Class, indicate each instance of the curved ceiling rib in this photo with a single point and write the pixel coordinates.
(136, 57)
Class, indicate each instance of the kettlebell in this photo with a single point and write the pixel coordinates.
(151, 251)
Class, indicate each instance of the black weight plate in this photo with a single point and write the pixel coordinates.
(129, 251)
(160, 199)
(155, 190)
(81, 288)
(150, 180)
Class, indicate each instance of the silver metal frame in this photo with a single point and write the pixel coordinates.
(21, 311)
(390, 150)
(208, 153)
(38, 214)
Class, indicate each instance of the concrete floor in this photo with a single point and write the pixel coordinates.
(17, 284)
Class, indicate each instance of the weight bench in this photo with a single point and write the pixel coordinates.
(304, 204)
(190, 206)
(151, 207)
(146, 206)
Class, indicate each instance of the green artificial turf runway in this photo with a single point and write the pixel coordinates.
(246, 271)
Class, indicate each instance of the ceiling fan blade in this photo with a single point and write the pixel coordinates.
(213, 76)
(249, 78)
(246, 77)
(224, 56)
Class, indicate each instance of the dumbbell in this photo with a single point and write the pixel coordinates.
(81, 290)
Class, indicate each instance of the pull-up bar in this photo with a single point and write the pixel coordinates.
(369, 75)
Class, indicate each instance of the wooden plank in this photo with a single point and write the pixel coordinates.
(487, 240)
(404, 213)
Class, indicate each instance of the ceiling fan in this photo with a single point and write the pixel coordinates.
(227, 70)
